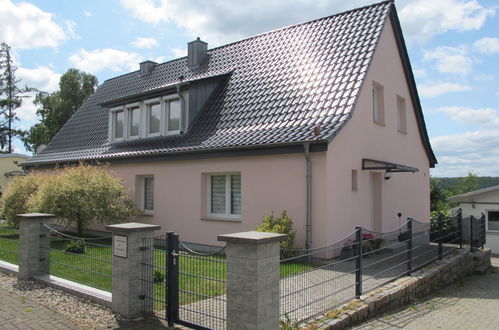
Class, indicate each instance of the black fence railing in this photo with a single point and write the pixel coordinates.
(9, 244)
(316, 280)
(188, 286)
(86, 261)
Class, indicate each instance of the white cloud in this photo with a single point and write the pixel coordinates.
(87, 13)
(105, 59)
(476, 151)
(25, 26)
(486, 117)
(42, 78)
(441, 88)
(487, 45)
(179, 52)
(220, 21)
(450, 59)
(423, 19)
(145, 42)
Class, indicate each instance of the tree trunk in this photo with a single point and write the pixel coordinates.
(80, 226)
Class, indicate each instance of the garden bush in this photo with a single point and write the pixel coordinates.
(84, 194)
(19, 196)
(76, 247)
(281, 225)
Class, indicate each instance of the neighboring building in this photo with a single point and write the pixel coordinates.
(286, 120)
(10, 166)
(484, 201)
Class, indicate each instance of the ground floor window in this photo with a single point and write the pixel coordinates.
(493, 220)
(145, 193)
(224, 195)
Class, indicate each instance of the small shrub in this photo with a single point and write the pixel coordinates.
(281, 225)
(288, 323)
(76, 247)
(158, 276)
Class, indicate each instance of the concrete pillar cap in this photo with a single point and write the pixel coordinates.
(132, 227)
(252, 237)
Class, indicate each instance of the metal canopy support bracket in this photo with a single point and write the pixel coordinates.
(371, 164)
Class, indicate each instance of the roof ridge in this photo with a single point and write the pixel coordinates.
(303, 23)
(266, 33)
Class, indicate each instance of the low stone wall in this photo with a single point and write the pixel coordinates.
(404, 290)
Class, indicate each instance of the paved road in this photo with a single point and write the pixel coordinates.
(472, 303)
(19, 312)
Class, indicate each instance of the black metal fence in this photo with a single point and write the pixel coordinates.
(9, 244)
(86, 261)
(316, 280)
(188, 286)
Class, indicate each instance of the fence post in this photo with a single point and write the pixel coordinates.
(409, 247)
(252, 279)
(460, 227)
(471, 232)
(173, 280)
(127, 267)
(440, 236)
(34, 245)
(358, 262)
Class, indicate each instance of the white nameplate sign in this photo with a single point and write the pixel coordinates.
(120, 246)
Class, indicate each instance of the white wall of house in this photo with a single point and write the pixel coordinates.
(491, 200)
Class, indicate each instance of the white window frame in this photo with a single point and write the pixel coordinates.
(378, 103)
(228, 198)
(128, 114)
(401, 114)
(142, 195)
(487, 221)
(144, 118)
(147, 103)
(166, 109)
(112, 123)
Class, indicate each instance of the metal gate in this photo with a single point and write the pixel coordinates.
(182, 285)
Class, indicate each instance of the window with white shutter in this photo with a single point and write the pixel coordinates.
(224, 194)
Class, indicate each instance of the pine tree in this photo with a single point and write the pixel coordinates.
(11, 97)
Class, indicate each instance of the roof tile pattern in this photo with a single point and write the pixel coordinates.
(276, 87)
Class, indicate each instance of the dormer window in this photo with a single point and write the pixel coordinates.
(148, 118)
(173, 115)
(118, 123)
(134, 121)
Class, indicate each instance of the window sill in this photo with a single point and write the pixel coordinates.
(221, 219)
(146, 213)
(402, 132)
(379, 123)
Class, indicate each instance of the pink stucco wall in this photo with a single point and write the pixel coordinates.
(407, 193)
(268, 183)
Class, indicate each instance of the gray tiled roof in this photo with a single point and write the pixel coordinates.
(277, 86)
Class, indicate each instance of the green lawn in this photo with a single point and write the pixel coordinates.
(199, 276)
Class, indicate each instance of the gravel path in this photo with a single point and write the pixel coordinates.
(70, 311)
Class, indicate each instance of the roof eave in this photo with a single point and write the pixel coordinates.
(404, 56)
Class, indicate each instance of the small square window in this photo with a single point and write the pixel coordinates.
(378, 103)
(493, 220)
(401, 115)
(224, 195)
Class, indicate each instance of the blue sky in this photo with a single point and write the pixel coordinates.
(453, 46)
